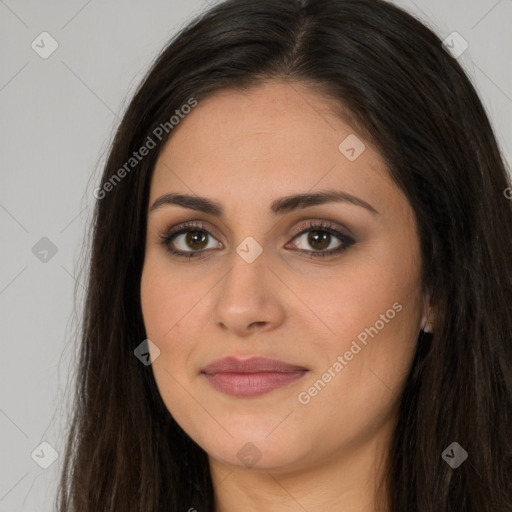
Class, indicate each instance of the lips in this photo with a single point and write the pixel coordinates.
(251, 377)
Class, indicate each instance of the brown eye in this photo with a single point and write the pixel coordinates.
(319, 240)
(191, 239)
(320, 237)
(196, 239)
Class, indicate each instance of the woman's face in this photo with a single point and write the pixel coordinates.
(267, 282)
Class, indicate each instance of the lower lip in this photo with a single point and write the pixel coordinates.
(251, 384)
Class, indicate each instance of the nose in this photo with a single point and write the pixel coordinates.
(250, 298)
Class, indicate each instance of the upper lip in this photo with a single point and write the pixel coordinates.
(250, 365)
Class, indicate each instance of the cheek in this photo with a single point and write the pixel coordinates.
(172, 308)
(166, 309)
(155, 304)
(368, 288)
(361, 391)
(162, 313)
(164, 299)
(372, 308)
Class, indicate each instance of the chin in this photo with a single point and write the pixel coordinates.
(254, 456)
(253, 448)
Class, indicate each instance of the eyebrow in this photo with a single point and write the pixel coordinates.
(279, 206)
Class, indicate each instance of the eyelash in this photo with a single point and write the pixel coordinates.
(167, 237)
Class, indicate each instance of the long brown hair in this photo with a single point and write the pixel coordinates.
(398, 86)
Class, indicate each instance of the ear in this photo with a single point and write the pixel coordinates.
(427, 320)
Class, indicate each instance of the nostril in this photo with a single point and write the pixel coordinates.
(257, 323)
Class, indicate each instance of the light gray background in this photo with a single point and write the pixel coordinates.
(57, 118)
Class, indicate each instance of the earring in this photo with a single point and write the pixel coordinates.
(424, 329)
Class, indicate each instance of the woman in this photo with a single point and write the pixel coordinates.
(300, 281)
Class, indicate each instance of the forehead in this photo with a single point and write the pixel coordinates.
(274, 139)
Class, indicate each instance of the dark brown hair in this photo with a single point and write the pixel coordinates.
(399, 88)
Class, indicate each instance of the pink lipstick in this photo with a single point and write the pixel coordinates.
(251, 377)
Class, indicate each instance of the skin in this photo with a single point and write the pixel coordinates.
(245, 150)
